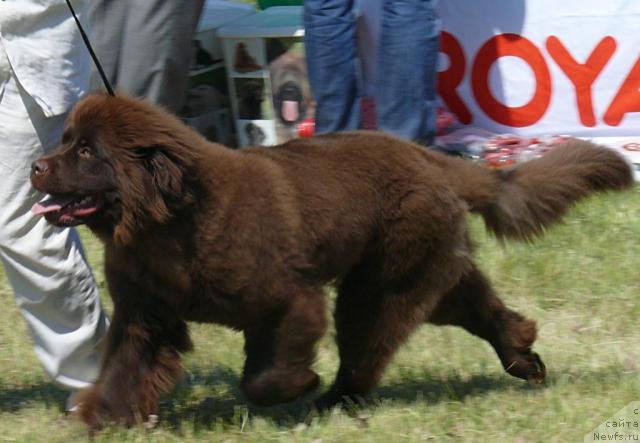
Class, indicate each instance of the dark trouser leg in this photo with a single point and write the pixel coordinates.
(332, 61)
(407, 68)
(145, 46)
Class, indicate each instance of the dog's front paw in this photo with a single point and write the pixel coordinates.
(90, 409)
(97, 410)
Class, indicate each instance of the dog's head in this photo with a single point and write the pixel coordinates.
(122, 166)
(292, 98)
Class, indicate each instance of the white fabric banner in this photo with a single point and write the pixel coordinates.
(543, 66)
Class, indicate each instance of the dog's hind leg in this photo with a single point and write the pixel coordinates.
(473, 305)
(370, 324)
(418, 255)
(281, 350)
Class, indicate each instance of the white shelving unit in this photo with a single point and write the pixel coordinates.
(257, 48)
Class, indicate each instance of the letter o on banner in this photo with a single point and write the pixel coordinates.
(517, 46)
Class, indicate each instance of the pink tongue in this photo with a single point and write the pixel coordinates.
(50, 205)
(290, 110)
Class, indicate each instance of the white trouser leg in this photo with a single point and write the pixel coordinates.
(53, 284)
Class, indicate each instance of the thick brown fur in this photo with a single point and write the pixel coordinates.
(197, 232)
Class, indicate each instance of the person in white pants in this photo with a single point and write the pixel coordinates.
(44, 70)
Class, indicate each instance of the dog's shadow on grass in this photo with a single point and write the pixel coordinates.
(212, 398)
(46, 393)
(206, 399)
(226, 406)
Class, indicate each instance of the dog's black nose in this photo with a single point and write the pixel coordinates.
(39, 168)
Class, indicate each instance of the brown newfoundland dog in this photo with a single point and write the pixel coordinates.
(249, 238)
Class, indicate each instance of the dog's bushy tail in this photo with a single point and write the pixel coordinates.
(519, 203)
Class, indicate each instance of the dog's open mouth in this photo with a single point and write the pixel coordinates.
(290, 110)
(66, 210)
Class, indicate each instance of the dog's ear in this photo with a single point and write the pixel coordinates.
(167, 174)
(162, 187)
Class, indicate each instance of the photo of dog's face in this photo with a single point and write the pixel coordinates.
(244, 61)
(251, 95)
(292, 98)
(255, 135)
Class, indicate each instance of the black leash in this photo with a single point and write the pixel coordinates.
(107, 85)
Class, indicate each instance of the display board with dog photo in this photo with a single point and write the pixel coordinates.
(267, 76)
(249, 83)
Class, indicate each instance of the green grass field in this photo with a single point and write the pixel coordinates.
(581, 282)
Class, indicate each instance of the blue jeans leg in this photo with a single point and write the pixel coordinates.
(407, 57)
(331, 52)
